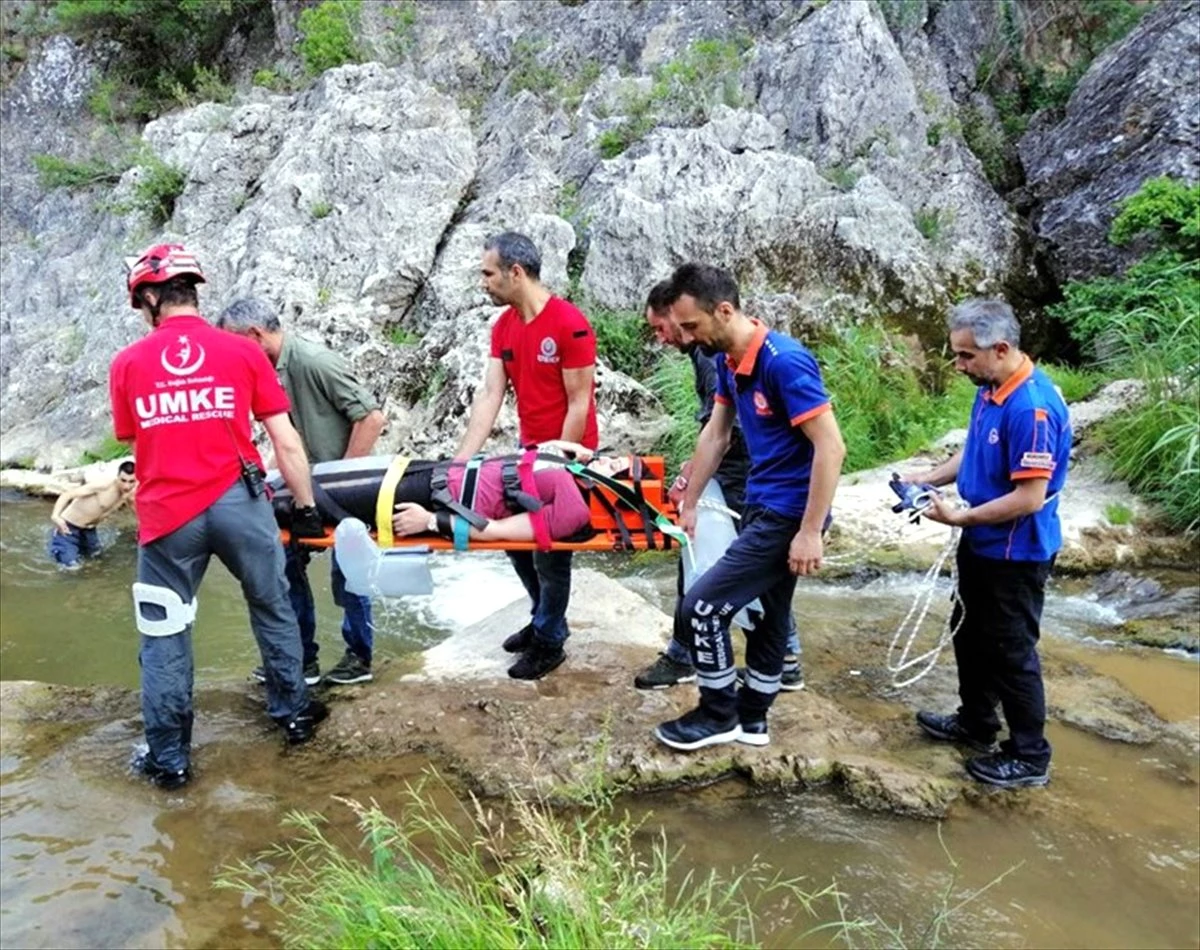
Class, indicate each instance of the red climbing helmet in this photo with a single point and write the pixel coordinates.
(158, 264)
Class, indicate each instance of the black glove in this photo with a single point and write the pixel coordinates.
(306, 522)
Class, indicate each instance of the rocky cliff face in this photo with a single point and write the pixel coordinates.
(803, 145)
(1135, 115)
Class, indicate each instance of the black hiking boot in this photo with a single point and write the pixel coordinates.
(303, 726)
(537, 661)
(664, 673)
(167, 780)
(520, 641)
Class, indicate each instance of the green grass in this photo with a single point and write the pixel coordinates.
(674, 383)
(270, 78)
(1155, 446)
(522, 877)
(1115, 318)
(1118, 514)
(623, 341)
(322, 209)
(106, 451)
(57, 172)
(156, 191)
(466, 874)
(402, 28)
(843, 177)
(883, 409)
(686, 89)
(402, 336)
(1146, 324)
(1076, 384)
(933, 223)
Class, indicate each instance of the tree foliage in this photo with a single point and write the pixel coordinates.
(163, 45)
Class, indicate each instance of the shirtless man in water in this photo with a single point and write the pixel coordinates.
(78, 510)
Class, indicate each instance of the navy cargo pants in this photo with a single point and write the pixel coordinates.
(755, 565)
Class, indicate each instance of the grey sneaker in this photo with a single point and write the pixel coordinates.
(790, 681)
(1007, 771)
(312, 674)
(947, 728)
(665, 672)
(350, 669)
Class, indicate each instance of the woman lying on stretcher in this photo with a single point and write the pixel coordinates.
(429, 497)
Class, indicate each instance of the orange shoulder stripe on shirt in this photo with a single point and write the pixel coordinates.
(805, 416)
(1023, 372)
(1030, 473)
(723, 400)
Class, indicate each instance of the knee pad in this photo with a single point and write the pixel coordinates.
(178, 614)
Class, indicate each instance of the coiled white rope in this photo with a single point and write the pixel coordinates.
(900, 659)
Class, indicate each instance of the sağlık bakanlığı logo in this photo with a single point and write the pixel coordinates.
(183, 365)
(548, 351)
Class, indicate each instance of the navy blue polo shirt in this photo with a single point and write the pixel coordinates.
(1020, 430)
(775, 388)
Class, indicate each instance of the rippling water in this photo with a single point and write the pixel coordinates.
(1108, 856)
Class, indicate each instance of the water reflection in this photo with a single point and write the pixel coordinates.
(1108, 855)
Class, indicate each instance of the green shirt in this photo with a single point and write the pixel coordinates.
(326, 397)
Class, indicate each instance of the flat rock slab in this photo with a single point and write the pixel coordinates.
(585, 727)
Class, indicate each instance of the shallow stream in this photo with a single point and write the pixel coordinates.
(1107, 856)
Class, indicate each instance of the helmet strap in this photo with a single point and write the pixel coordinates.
(154, 306)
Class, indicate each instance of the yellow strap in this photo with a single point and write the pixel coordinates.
(386, 499)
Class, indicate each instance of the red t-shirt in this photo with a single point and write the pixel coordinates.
(535, 355)
(184, 394)
(562, 502)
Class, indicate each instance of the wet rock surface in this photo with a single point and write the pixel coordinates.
(585, 724)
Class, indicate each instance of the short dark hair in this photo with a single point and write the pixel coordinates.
(178, 291)
(708, 285)
(125, 468)
(514, 248)
(661, 297)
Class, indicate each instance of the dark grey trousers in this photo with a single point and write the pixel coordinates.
(241, 531)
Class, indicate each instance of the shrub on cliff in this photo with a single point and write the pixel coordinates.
(162, 46)
(1146, 323)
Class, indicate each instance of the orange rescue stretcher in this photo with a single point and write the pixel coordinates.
(627, 514)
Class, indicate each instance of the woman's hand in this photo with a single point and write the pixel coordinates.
(410, 518)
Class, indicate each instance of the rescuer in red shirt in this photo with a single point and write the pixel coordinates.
(183, 396)
(546, 349)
